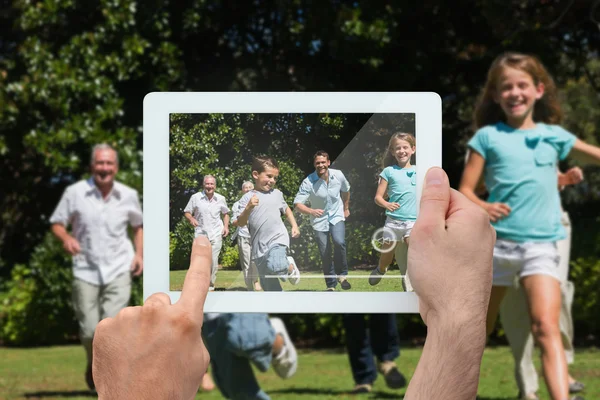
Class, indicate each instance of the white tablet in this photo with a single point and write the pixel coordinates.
(189, 136)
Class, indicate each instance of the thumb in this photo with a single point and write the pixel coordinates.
(435, 200)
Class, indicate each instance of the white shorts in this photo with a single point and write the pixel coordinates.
(512, 259)
(397, 230)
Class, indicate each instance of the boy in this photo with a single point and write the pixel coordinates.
(269, 238)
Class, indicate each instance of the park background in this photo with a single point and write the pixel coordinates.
(74, 73)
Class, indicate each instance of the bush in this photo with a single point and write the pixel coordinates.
(585, 273)
(36, 306)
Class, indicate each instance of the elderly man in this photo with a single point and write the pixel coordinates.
(204, 211)
(328, 192)
(99, 210)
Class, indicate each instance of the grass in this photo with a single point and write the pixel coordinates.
(57, 373)
(233, 279)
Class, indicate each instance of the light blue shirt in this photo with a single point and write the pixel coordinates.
(402, 189)
(521, 171)
(324, 196)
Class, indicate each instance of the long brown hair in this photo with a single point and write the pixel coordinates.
(388, 158)
(547, 109)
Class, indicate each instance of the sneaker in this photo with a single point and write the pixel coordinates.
(375, 277)
(406, 286)
(576, 387)
(330, 289)
(89, 378)
(362, 388)
(344, 283)
(577, 398)
(393, 378)
(211, 288)
(286, 362)
(294, 276)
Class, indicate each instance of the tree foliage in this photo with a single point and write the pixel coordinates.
(74, 73)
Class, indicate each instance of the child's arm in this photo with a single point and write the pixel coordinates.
(470, 178)
(290, 216)
(572, 177)
(586, 153)
(380, 201)
(243, 218)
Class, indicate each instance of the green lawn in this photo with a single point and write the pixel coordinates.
(229, 279)
(57, 373)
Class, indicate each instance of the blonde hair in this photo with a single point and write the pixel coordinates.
(547, 109)
(388, 158)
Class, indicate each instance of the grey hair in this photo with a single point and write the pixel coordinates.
(208, 176)
(102, 146)
(247, 183)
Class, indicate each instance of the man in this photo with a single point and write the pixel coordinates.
(160, 342)
(99, 210)
(204, 211)
(328, 192)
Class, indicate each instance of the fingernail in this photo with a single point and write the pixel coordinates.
(434, 177)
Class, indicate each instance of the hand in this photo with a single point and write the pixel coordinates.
(346, 213)
(253, 202)
(155, 351)
(450, 255)
(392, 206)
(573, 176)
(497, 211)
(316, 212)
(71, 245)
(225, 231)
(295, 232)
(137, 265)
(194, 222)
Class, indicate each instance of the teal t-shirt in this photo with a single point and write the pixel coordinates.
(521, 171)
(402, 189)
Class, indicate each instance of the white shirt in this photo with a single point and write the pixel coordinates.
(241, 231)
(207, 213)
(100, 227)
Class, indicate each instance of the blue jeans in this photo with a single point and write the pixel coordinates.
(339, 266)
(380, 339)
(235, 342)
(274, 262)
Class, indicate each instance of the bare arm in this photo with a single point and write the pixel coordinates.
(70, 244)
(586, 153)
(346, 200)
(137, 266)
(290, 216)
(191, 218)
(226, 225)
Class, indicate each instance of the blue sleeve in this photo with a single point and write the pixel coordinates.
(345, 184)
(303, 193)
(562, 140)
(385, 174)
(480, 142)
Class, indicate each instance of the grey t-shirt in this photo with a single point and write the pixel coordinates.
(265, 224)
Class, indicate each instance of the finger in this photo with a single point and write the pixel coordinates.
(506, 207)
(435, 200)
(195, 285)
(158, 299)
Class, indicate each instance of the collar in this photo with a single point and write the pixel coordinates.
(94, 189)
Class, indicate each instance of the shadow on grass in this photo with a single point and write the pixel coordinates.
(76, 393)
(313, 392)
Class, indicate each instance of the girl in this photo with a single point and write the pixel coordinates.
(243, 242)
(517, 147)
(399, 179)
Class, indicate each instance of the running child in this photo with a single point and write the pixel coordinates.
(242, 236)
(517, 147)
(399, 180)
(269, 239)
